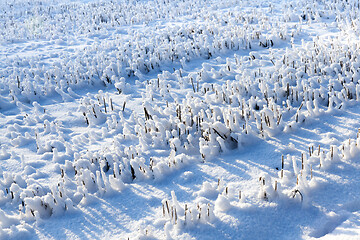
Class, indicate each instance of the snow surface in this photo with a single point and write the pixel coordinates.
(184, 119)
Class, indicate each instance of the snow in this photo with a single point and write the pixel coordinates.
(179, 119)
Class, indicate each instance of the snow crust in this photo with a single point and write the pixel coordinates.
(179, 119)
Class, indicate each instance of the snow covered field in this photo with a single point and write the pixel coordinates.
(179, 119)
